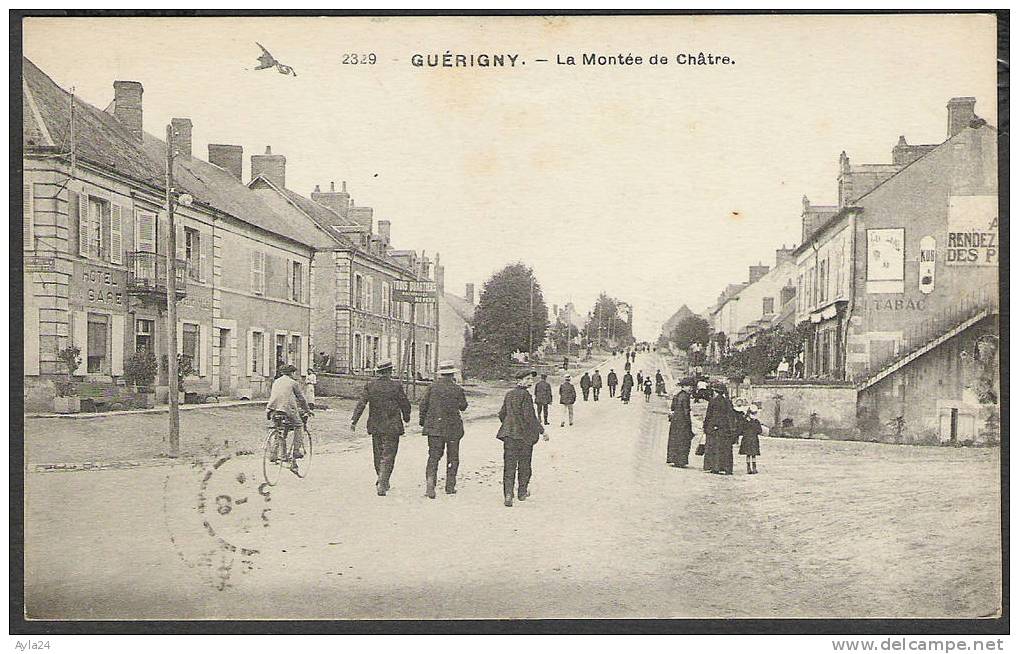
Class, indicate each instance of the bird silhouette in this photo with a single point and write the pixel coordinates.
(266, 60)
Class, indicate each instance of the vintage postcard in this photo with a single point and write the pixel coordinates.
(511, 317)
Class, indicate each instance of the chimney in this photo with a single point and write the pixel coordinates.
(228, 157)
(384, 229)
(338, 201)
(469, 293)
(960, 114)
(271, 166)
(181, 136)
(758, 271)
(127, 106)
(361, 215)
(783, 254)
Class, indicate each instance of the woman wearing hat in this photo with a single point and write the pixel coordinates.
(718, 432)
(750, 445)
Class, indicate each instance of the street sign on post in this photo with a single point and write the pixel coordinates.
(415, 292)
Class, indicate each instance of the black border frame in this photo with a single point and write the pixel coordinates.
(920, 627)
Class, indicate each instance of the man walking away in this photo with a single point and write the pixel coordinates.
(612, 379)
(542, 398)
(659, 383)
(595, 385)
(519, 432)
(585, 385)
(680, 427)
(567, 398)
(439, 417)
(388, 410)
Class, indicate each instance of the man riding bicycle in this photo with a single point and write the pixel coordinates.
(288, 406)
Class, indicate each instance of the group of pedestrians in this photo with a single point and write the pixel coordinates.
(725, 425)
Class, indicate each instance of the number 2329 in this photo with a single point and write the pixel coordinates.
(356, 59)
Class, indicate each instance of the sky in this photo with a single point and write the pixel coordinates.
(658, 184)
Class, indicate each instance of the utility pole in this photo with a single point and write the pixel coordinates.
(171, 301)
(438, 299)
(530, 323)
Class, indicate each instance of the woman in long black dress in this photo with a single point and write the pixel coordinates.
(680, 427)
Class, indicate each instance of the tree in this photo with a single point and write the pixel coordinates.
(760, 359)
(690, 330)
(605, 322)
(511, 316)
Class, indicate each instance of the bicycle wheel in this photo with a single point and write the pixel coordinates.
(271, 469)
(303, 464)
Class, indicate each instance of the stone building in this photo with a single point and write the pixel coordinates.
(95, 252)
(455, 314)
(356, 322)
(899, 288)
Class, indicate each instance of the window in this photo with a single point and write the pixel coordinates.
(98, 343)
(144, 331)
(281, 350)
(356, 359)
(799, 292)
(387, 308)
(428, 357)
(358, 292)
(295, 352)
(769, 305)
(257, 352)
(257, 272)
(369, 295)
(296, 277)
(193, 253)
(189, 344)
(96, 234)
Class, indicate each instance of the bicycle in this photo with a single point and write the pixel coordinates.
(277, 451)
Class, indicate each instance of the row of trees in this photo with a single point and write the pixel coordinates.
(512, 316)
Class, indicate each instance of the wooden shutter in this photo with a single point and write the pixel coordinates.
(28, 218)
(117, 351)
(203, 350)
(290, 279)
(249, 363)
(204, 245)
(146, 226)
(257, 272)
(267, 353)
(116, 235)
(79, 338)
(83, 224)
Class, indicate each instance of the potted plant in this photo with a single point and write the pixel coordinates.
(140, 371)
(66, 401)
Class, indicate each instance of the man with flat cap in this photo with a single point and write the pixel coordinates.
(388, 410)
(519, 432)
(680, 427)
(439, 417)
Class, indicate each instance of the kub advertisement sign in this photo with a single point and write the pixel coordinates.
(927, 258)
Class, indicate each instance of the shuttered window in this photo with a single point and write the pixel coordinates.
(116, 234)
(258, 272)
(28, 218)
(83, 224)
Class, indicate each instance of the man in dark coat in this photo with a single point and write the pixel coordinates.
(439, 417)
(585, 385)
(388, 410)
(567, 398)
(718, 421)
(595, 385)
(519, 432)
(627, 386)
(612, 379)
(680, 427)
(542, 398)
(659, 383)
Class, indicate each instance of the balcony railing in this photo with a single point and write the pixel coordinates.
(146, 274)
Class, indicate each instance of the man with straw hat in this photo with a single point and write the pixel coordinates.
(388, 410)
(439, 417)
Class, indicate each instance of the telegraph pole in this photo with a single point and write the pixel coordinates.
(438, 299)
(530, 323)
(171, 300)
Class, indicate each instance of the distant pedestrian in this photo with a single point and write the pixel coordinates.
(595, 385)
(567, 398)
(542, 398)
(659, 383)
(626, 368)
(388, 410)
(640, 381)
(750, 445)
(566, 363)
(439, 417)
(612, 379)
(647, 389)
(680, 427)
(585, 385)
(626, 388)
(518, 432)
(309, 387)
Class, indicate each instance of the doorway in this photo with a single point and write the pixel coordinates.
(225, 361)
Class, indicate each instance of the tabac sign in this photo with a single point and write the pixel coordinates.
(972, 231)
(408, 291)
